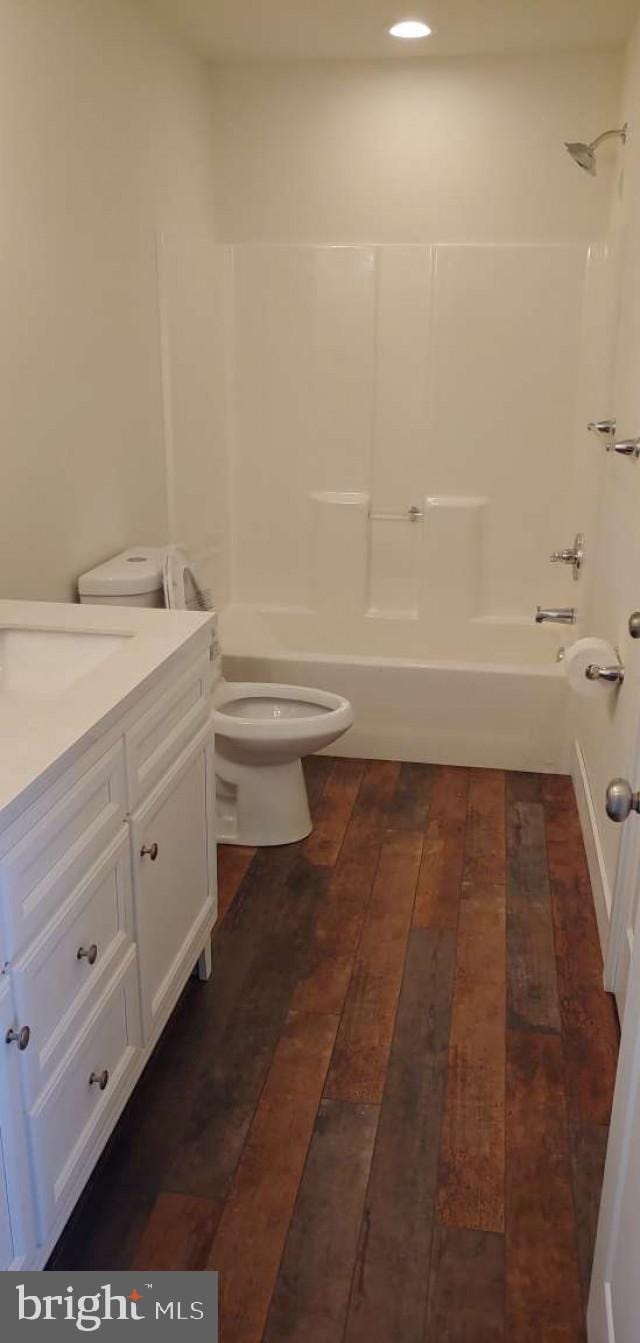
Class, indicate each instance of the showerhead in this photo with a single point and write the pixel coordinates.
(585, 155)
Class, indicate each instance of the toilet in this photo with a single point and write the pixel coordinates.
(262, 730)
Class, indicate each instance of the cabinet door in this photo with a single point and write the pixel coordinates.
(174, 878)
(6, 1236)
(17, 1237)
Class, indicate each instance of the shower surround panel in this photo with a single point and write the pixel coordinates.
(371, 380)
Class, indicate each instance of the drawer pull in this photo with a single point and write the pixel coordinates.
(20, 1037)
(89, 954)
(100, 1079)
(149, 850)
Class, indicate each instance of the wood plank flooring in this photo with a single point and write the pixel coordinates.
(405, 1029)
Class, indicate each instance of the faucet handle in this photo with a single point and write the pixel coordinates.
(573, 555)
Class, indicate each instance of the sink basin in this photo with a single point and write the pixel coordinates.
(41, 664)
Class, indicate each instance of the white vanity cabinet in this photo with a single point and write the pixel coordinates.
(107, 902)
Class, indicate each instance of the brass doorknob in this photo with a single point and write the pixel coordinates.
(20, 1037)
(149, 851)
(100, 1080)
(89, 954)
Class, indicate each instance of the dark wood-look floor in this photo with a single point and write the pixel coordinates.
(384, 1119)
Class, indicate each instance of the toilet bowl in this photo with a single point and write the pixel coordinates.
(262, 731)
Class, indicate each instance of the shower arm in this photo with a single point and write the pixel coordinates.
(609, 135)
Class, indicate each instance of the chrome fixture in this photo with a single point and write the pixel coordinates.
(634, 624)
(614, 675)
(585, 155)
(20, 1038)
(628, 447)
(556, 615)
(573, 555)
(561, 653)
(621, 800)
(603, 428)
(412, 515)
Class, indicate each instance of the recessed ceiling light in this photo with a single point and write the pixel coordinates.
(410, 29)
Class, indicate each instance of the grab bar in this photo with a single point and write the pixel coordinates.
(412, 515)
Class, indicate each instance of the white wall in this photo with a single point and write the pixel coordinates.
(606, 731)
(105, 139)
(416, 151)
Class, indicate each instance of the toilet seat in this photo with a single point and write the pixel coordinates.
(279, 716)
(182, 589)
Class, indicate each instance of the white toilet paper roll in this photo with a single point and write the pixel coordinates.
(581, 655)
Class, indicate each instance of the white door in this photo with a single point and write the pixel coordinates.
(626, 904)
(614, 1303)
(174, 878)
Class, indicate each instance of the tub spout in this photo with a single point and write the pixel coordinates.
(556, 615)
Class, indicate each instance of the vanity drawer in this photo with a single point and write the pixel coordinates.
(48, 850)
(70, 1121)
(53, 986)
(166, 727)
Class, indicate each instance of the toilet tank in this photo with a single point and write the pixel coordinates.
(132, 578)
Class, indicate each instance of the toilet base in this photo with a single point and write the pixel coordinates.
(260, 805)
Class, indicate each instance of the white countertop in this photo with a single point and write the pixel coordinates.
(36, 734)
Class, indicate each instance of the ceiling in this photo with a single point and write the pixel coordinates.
(357, 29)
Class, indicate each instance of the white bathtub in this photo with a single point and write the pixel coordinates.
(498, 704)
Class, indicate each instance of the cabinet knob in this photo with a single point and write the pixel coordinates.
(21, 1037)
(89, 954)
(100, 1080)
(150, 851)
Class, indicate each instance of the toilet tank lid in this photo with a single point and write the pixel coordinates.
(133, 572)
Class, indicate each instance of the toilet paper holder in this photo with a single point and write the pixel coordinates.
(613, 675)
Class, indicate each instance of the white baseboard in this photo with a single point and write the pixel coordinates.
(602, 894)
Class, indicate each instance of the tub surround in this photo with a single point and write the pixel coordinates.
(107, 882)
(368, 381)
(426, 408)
